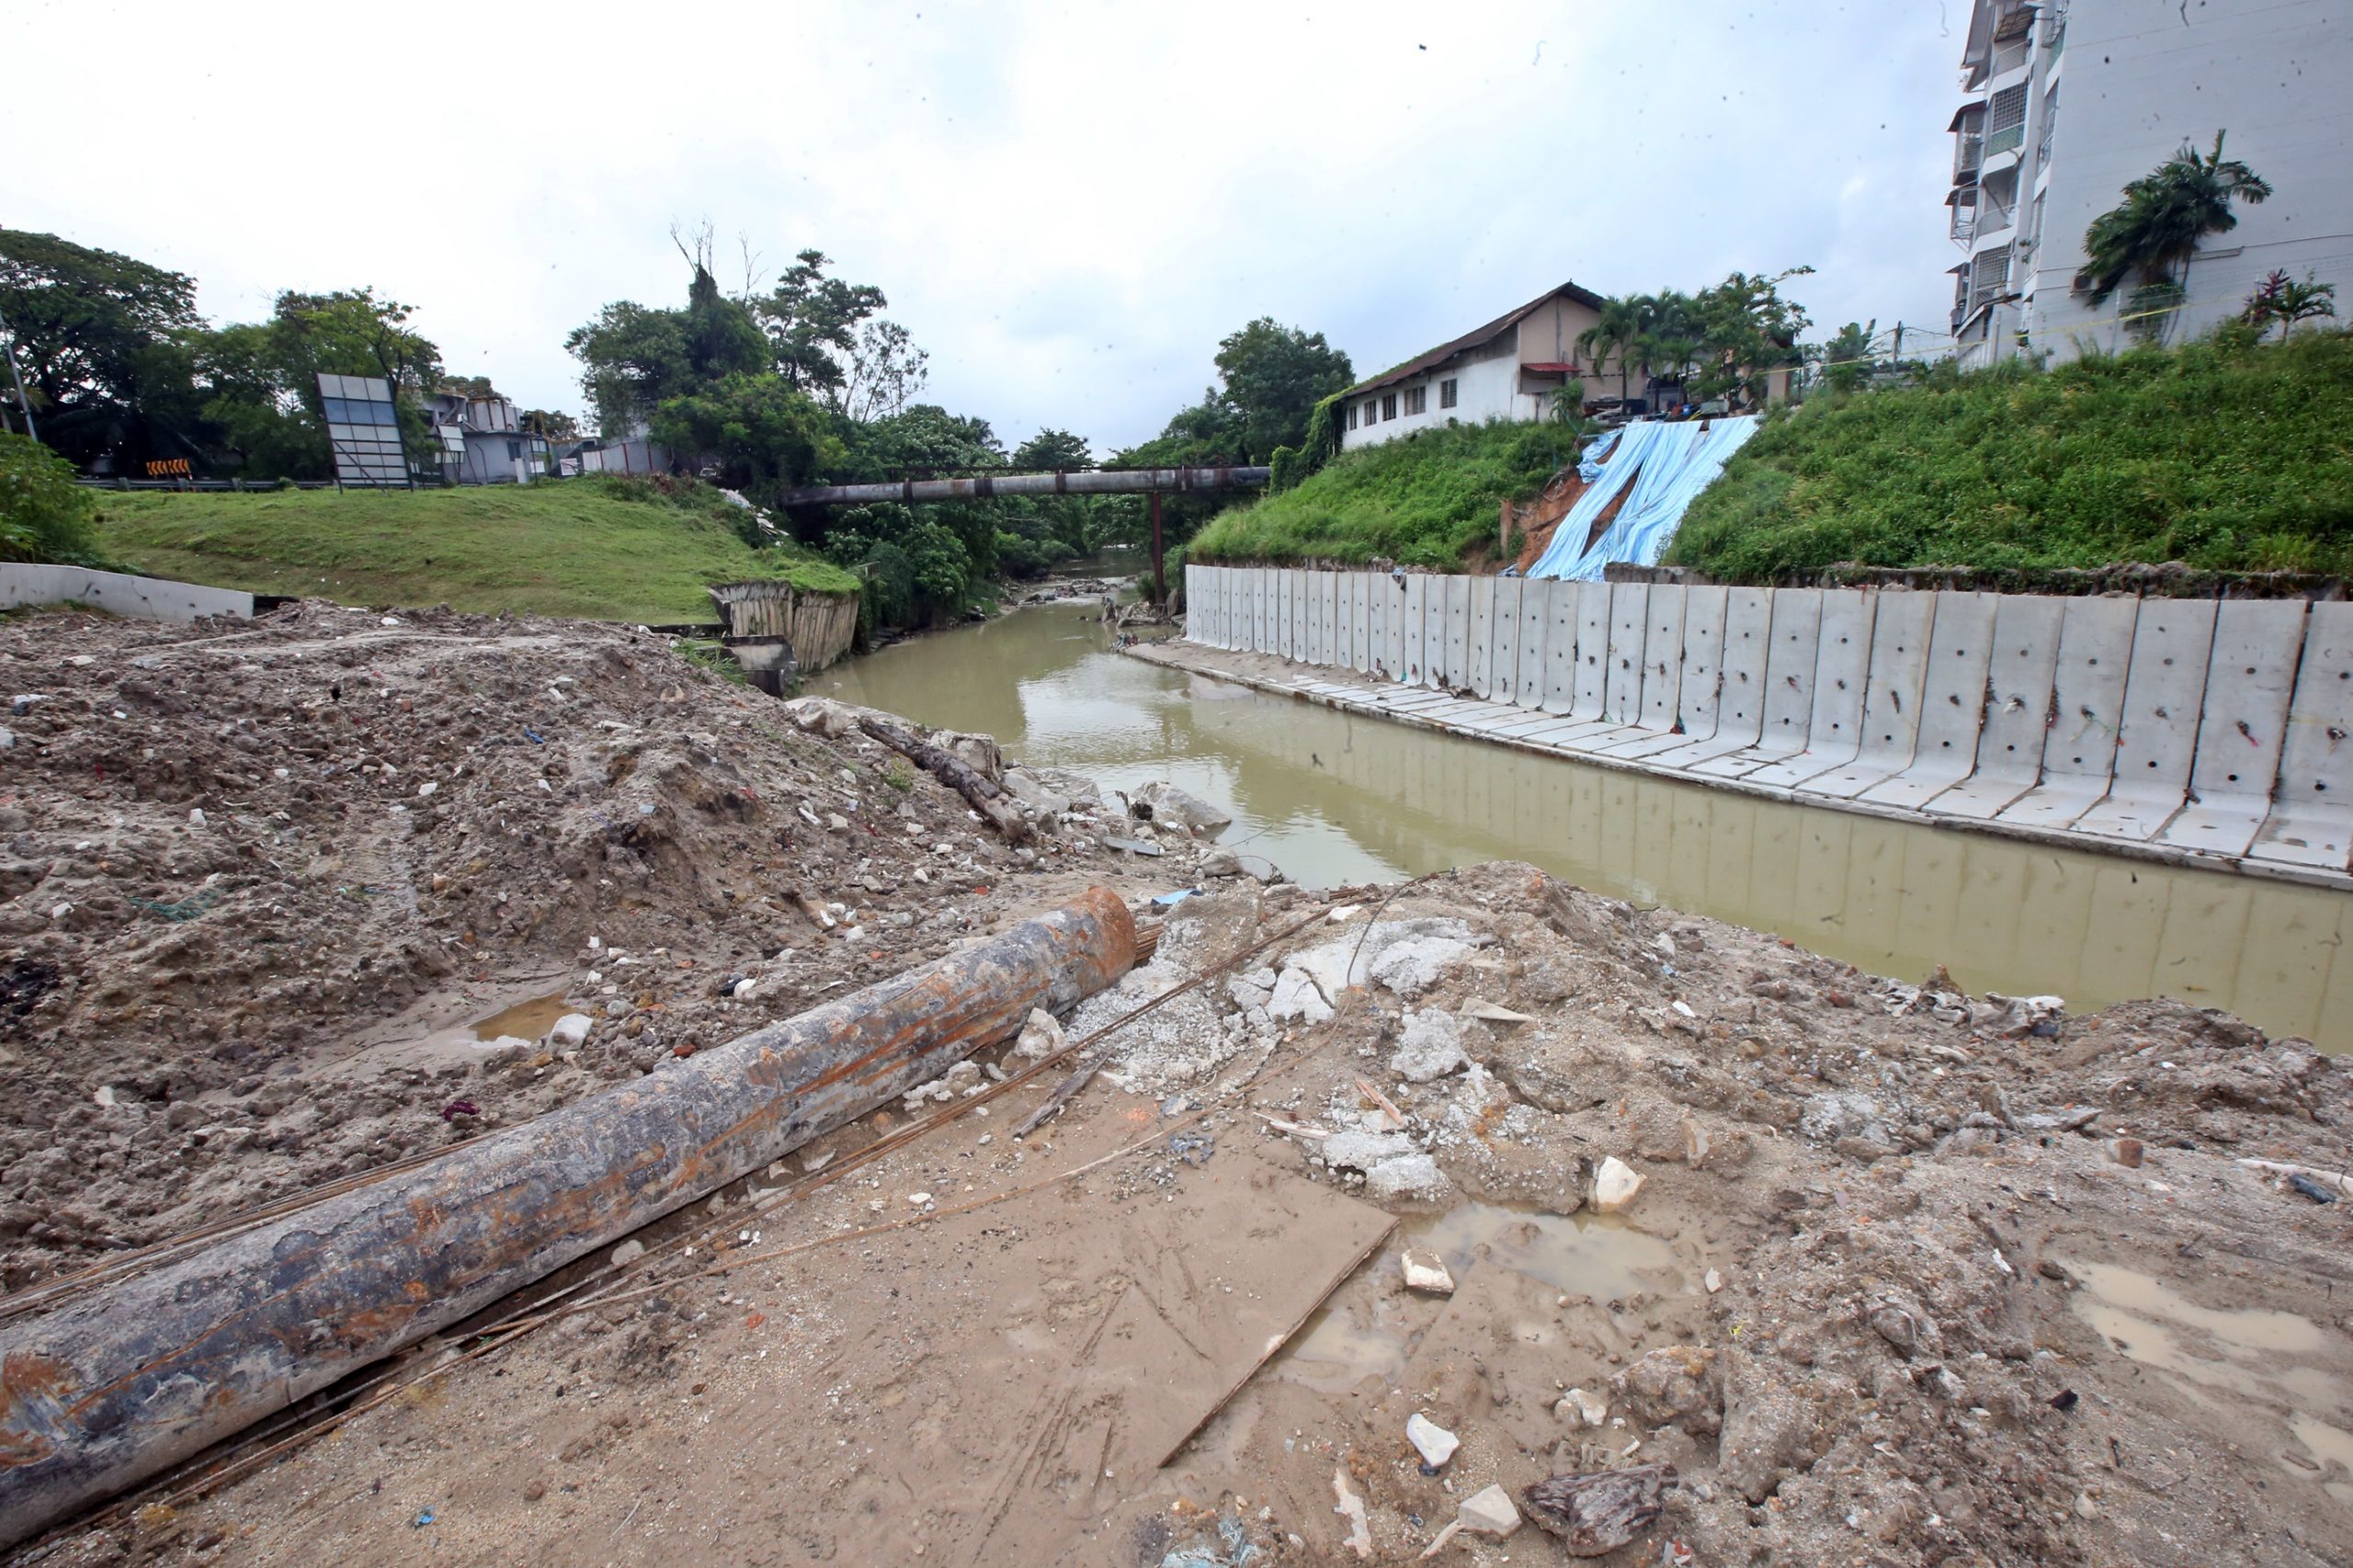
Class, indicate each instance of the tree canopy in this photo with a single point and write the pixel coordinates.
(101, 340)
(2151, 236)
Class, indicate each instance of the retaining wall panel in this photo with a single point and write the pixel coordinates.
(1952, 703)
(1457, 671)
(1480, 677)
(1629, 610)
(1791, 657)
(2165, 688)
(1502, 663)
(1535, 619)
(2242, 723)
(2312, 822)
(1901, 629)
(1736, 706)
(2087, 705)
(2018, 697)
(1560, 645)
(1842, 668)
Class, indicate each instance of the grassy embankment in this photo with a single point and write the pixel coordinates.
(591, 547)
(2228, 458)
(1423, 501)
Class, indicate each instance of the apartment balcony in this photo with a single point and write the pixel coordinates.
(1964, 224)
(1993, 224)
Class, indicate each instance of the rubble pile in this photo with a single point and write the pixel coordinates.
(244, 867)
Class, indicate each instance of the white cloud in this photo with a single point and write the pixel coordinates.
(1068, 205)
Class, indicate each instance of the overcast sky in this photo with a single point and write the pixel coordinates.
(1067, 205)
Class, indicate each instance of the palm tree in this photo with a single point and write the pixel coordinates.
(2153, 234)
(2304, 302)
(1619, 324)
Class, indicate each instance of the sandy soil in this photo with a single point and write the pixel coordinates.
(1891, 1290)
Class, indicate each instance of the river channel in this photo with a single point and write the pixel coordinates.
(1331, 798)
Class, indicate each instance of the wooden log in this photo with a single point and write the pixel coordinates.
(113, 1385)
(957, 774)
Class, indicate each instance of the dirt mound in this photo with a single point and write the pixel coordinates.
(256, 879)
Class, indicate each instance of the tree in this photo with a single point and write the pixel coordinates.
(1617, 330)
(766, 437)
(2154, 232)
(548, 424)
(1746, 331)
(1846, 357)
(635, 358)
(812, 322)
(1273, 377)
(2283, 300)
(467, 386)
(260, 380)
(886, 372)
(1052, 451)
(101, 341)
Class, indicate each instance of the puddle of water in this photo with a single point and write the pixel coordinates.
(1346, 1342)
(525, 1020)
(2242, 1362)
(1331, 798)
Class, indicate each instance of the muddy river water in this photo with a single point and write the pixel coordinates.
(1330, 798)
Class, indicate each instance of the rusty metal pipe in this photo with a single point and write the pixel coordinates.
(105, 1391)
(981, 487)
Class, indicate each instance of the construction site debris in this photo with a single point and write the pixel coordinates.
(1432, 1441)
(1595, 1514)
(1615, 1184)
(1426, 1271)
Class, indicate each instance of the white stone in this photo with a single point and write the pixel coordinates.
(1614, 1186)
(196, 817)
(1041, 1036)
(1591, 1409)
(1490, 1512)
(1714, 1282)
(918, 1200)
(1413, 966)
(1407, 1175)
(570, 1030)
(627, 1253)
(427, 788)
(1432, 1441)
(1429, 1047)
(1426, 1271)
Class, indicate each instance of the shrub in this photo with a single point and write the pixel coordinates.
(44, 515)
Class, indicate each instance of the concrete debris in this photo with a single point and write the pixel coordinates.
(1426, 1271)
(1351, 1507)
(1576, 1404)
(1298, 996)
(568, 1032)
(1414, 1177)
(1432, 1441)
(1040, 1037)
(1352, 959)
(1490, 1512)
(1615, 1186)
(1429, 1047)
(1489, 1013)
(1163, 804)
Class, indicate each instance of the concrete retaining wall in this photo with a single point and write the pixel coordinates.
(2208, 730)
(140, 598)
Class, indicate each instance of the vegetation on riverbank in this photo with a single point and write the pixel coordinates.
(1422, 501)
(604, 548)
(2226, 454)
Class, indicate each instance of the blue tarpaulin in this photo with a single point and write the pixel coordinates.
(1666, 465)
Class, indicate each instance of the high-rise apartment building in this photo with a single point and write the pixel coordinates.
(2067, 101)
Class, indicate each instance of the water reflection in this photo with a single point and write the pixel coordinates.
(1331, 798)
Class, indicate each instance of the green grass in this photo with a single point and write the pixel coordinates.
(1422, 501)
(2222, 455)
(596, 549)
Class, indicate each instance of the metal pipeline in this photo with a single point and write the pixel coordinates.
(980, 487)
(107, 1389)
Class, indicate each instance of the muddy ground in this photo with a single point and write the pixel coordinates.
(1910, 1277)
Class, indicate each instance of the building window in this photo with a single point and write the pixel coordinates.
(1371, 413)
(1389, 405)
(1447, 394)
(1352, 416)
(1418, 399)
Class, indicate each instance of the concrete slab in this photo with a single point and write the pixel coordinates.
(1901, 628)
(2241, 727)
(1535, 613)
(2019, 709)
(1561, 603)
(1842, 665)
(1456, 670)
(1791, 660)
(1952, 702)
(2312, 823)
(1481, 679)
(1739, 701)
(2087, 706)
(1629, 610)
(1502, 663)
(1591, 694)
(2172, 644)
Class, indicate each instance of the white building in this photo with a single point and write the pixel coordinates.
(482, 443)
(1505, 369)
(2068, 102)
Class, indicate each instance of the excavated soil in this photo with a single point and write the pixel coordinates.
(1911, 1276)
